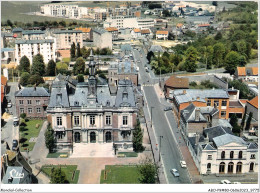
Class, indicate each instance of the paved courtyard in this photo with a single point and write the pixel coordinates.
(92, 150)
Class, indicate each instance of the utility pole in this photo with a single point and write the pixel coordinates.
(160, 148)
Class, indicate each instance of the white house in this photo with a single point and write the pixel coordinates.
(162, 35)
(220, 152)
(248, 74)
(136, 33)
(29, 48)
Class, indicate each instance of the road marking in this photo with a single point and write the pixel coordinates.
(177, 144)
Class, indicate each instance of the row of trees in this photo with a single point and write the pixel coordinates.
(32, 74)
(245, 124)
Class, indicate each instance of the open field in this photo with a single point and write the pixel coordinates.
(120, 174)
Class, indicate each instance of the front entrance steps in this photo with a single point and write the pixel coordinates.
(92, 150)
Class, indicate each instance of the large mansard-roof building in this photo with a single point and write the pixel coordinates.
(88, 113)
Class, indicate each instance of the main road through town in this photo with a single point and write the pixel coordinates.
(170, 154)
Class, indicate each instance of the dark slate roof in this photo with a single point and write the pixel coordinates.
(79, 98)
(208, 147)
(18, 29)
(226, 139)
(34, 41)
(156, 48)
(126, 67)
(104, 97)
(59, 89)
(67, 31)
(15, 170)
(27, 32)
(189, 114)
(252, 146)
(125, 87)
(100, 30)
(7, 49)
(32, 92)
(213, 132)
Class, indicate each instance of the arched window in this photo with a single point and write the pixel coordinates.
(222, 167)
(222, 155)
(232, 154)
(240, 154)
(230, 167)
(251, 168)
(239, 167)
(208, 167)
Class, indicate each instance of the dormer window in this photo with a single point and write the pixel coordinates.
(125, 95)
(59, 98)
(76, 103)
(108, 103)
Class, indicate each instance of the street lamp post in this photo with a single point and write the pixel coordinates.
(152, 116)
(160, 149)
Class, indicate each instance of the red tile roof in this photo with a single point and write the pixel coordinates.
(145, 31)
(137, 30)
(111, 29)
(204, 25)
(254, 102)
(241, 71)
(162, 32)
(84, 30)
(254, 71)
(175, 82)
(3, 80)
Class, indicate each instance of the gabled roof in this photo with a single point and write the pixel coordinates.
(208, 147)
(179, 25)
(241, 71)
(189, 114)
(175, 82)
(110, 29)
(137, 30)
(32, 92)
(162, 32)
(213, 132)
(84, 29)
(252, 146)
(226, 139)
(67, 31)
(145, 31)
(254, 102)
(3, 80)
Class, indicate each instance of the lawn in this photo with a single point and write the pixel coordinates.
(29, 132)
(55, 155)
(120, 174)
(68, 170)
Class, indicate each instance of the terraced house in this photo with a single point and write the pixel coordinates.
(88, 113)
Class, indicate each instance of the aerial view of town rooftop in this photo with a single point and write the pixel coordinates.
(129, 92)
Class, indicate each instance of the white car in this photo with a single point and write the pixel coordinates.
(237, 182)
(175, 172)
(183, 164)
(9, 105)
(225, 182)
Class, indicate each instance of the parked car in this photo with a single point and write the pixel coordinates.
(183, 164)
(15, 145)
(9, 105)
(175, 172)
(167, 108)
(237, 182)
(225, 182)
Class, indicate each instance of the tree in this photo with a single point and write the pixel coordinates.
(80, 78)
(73, 51)
(35, 80)
(231, 62)
(218, 36)
(243, 119)
(62, 23)
(79, 66)
(191, 59)
(233, 122)
(85, 53)
(58, 176)
(248, 122)
(148, 172)
(49, 139)
(38, 66)
(149, 56)
(166, 13)
(24, 65)
(138, 138)
(24, 80)
(23, 116)
(78, 51)
(9, 23)
(218, 53)
(51, 68)
(215, 3)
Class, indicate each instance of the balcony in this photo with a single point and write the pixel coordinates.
(59, 128)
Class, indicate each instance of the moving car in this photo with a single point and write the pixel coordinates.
(16, 121)
(225, 182)
(175, 172)
(9, 105)
(183, 164)
(167, 108)
(15, 145)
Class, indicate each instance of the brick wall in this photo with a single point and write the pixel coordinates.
(115, 121)
(68, 117)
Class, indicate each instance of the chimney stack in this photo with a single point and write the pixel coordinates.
(197, 114)
(207, 138)
(184, 91)
(197, 137)
(34, 87)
